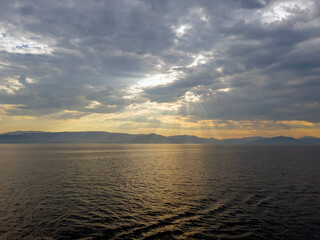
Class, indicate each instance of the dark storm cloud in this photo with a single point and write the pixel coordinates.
(261, 58)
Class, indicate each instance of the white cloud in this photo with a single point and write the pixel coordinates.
(181, 29)
(10, 85)
(282, 10)
(93, 104)
(14, 41)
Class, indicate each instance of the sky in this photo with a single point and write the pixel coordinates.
(215, 68)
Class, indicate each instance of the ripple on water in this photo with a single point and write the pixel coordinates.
(159, 192)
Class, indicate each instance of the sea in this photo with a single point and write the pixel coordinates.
(159, 191)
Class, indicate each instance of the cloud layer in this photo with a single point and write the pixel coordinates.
(140, 62)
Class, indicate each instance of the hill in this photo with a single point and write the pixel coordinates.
(108, 137)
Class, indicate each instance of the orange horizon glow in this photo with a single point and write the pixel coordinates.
(178, 126)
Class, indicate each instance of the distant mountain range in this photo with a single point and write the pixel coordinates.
(107, 137)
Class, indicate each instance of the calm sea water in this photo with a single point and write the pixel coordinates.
(104, 191)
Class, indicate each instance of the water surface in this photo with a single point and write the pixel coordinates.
(106, 191)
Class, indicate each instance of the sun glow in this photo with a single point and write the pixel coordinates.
(159, 79)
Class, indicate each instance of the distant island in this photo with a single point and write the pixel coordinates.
(108, 137)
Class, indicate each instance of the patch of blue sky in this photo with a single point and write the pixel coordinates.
(22, 46)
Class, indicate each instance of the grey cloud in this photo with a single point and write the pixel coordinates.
(252, 4)
(102, 48)
(196, 76)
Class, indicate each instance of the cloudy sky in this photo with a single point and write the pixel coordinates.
(215, 68)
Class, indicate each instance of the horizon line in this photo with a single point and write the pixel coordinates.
(33, 131)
